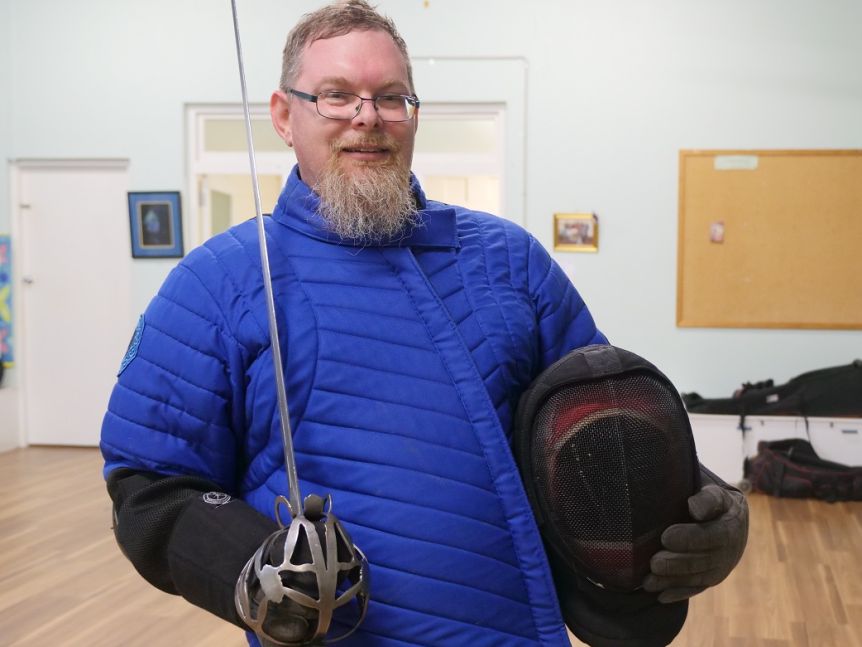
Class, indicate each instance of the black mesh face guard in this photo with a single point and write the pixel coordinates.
(608, 461)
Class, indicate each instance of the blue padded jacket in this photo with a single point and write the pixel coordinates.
(404, 362)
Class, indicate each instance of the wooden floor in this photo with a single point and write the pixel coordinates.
(63, 581)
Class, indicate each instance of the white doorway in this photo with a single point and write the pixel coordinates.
(73, 274)
(459, 155)
(219, 176)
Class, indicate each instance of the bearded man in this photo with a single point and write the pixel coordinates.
(409, 328)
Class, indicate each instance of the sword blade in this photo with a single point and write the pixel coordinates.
(283, 411)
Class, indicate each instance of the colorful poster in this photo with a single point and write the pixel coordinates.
(6, 355)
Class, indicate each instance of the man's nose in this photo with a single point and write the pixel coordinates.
(367, 116)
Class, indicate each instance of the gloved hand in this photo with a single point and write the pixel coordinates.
(284, 622)
(700, 554)
(295, 560)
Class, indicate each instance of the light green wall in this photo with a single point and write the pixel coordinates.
(615, 89)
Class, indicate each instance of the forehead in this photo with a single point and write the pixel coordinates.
(365, 59)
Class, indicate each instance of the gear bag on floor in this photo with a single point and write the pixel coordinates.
(791, 468)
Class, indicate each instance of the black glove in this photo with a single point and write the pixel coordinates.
(701, 554)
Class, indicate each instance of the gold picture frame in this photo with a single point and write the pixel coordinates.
(576, 232)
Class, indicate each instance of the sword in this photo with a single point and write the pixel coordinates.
(262, 583)
(287, 438)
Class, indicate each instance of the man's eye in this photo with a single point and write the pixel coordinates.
(336, 98)
(390, 101)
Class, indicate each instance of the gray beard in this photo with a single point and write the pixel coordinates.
(372, 204)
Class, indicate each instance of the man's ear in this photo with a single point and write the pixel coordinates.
(280, 114)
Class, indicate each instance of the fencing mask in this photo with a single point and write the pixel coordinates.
(605, 449)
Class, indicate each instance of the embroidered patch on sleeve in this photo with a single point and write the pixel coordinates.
(134, 344)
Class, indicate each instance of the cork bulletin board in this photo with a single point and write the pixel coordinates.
(770, 239)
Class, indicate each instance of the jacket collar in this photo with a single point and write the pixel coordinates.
(297, 208)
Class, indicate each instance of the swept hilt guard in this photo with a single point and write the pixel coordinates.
(289, 590)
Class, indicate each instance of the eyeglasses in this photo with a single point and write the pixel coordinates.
(333, 104)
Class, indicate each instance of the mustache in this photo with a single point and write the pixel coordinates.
(366, 142)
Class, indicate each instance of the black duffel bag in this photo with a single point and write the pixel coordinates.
(828, 392)
(791, 468)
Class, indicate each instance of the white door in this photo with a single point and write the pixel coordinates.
(75, 274)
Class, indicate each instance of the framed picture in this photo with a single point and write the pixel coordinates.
(576, 232)
(156, 224)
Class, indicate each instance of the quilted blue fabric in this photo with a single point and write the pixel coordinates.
(403, 363)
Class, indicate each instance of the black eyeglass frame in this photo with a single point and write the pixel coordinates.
(312, 98)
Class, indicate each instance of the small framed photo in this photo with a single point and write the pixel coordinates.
(576, 232)
(156, 224)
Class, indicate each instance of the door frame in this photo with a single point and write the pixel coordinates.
(199, 162)
(16, 166)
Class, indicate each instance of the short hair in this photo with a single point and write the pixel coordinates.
(336, 19)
